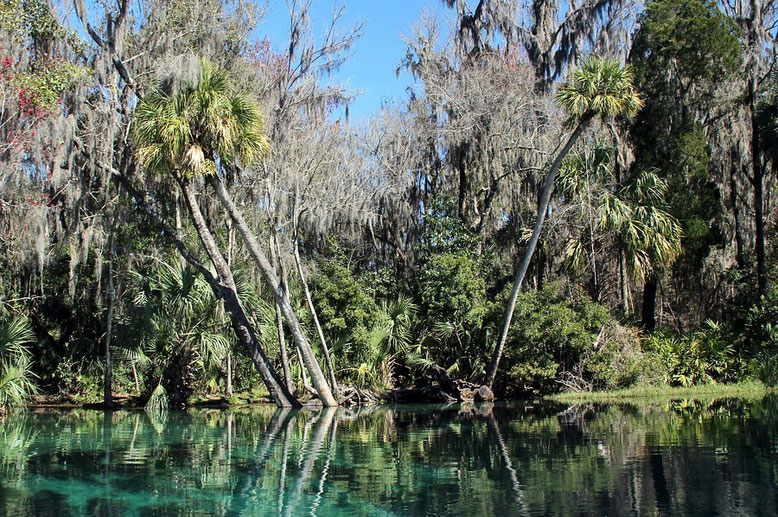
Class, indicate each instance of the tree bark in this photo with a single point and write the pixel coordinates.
(758, 182)
(649, 303)
(282, 346)
(733, 195)
(317, 376)
(319, 331)
(228, 388)
(275, 262)
(545, 198)
(624, 281)
(240, 322)
(108, 376)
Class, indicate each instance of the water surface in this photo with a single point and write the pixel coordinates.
(669, 458)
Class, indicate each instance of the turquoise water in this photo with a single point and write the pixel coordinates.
(670, 458)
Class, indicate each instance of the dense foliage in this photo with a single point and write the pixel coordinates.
(574, 196)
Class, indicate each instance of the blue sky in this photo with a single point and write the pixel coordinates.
(376, 55)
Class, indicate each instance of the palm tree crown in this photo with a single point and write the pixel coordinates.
(203, 122)
(600, 86)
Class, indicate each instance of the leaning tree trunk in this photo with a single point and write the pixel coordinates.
(319, 331)
(545, 198)
(282, 347)
(276, 263)
(312, 365)
(240, 322)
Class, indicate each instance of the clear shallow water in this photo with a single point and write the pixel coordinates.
(671, 458)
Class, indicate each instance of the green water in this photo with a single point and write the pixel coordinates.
(670, 458)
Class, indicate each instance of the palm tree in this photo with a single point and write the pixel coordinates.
(198, 129)
(175, 328)
(600, 88)
(649, 236)
(390, 339)
(631, 215)
(182, 129)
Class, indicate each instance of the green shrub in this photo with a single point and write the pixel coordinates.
(761, 338)
(705, 356)
(451, 294)
(617, 360)
(346, 311)
(551, 336)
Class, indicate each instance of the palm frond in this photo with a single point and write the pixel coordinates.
(600, 87)
(201, 121)
(13, 336)
(158, 401)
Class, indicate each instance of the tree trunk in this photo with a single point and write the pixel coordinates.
(304, 376)
(228, 390)
(275, 261)
(733, 191)
(649, 303)
(240, 322)
(317, 376)
(624, 280)
(758, 181)
(230, 241)
(545, 198)
(135, 378)
(319, 331)
(284, 352)
(108, 376)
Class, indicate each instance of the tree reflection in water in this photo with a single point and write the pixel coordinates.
(671, 457)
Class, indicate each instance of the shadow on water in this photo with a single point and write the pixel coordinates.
(671, 457)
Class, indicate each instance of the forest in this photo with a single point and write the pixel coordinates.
(574, 195)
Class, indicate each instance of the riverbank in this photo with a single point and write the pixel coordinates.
(743, 389)
(739, 390)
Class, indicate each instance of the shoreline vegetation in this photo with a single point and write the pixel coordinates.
(741, 390)
(704, 391)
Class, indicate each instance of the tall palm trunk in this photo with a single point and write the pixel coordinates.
(312, 365)
(545, 198)
(240, 322)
